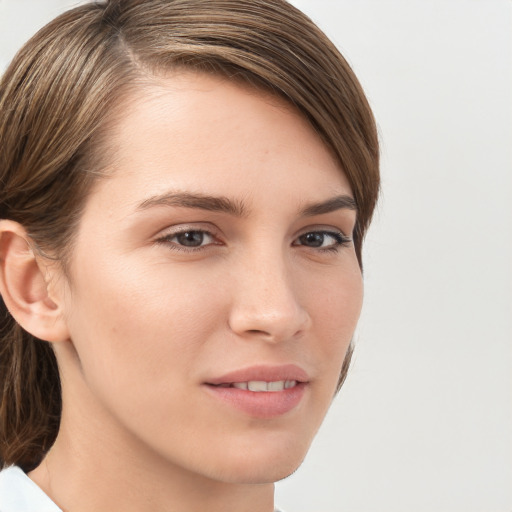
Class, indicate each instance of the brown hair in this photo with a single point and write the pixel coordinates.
(63, 87)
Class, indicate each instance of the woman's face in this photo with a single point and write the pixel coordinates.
(214, 287)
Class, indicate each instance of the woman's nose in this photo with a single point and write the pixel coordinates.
(266, 304)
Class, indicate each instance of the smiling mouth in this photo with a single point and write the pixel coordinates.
(261, 391)
(260, 386)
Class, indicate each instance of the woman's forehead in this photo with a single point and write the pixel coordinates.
(205, 135)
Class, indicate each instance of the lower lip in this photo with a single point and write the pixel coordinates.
(262, 404)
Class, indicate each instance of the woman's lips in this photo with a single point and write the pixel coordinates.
(261, 391)
(266, 373)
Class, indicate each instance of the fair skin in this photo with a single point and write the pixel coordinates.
(220, 243)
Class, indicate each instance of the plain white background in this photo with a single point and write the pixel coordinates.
(424, 422)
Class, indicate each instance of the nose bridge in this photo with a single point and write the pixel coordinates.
(265, 301)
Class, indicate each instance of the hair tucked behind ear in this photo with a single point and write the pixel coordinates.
(51, 104)
(62, 92)
(30, 402)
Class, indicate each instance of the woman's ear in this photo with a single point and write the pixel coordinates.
(24, 286)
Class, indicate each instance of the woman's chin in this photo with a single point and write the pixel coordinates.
(260, 465)
(258, 474)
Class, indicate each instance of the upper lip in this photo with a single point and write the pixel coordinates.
(262, 373)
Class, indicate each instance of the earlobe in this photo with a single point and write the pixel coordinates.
(24, 285)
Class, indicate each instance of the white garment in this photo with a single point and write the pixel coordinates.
(20, 494)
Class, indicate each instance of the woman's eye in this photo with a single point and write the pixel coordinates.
(189, 239)
(328, 240)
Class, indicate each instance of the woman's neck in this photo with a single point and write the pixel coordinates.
(97, 465)
(81, 479)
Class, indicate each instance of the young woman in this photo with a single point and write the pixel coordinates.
(185, 189)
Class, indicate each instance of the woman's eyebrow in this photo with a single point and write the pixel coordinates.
(330, 205)
(193, 200)
(237, 208)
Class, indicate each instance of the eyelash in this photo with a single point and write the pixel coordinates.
(167, 240)
(340, 240)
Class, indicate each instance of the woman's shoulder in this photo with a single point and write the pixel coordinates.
(20, 494)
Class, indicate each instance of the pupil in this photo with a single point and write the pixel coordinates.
(191, 238)
(313, 239)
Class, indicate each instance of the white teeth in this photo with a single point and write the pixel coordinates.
(261, 385)
(257, 385)
(290, 384)
(275, 386)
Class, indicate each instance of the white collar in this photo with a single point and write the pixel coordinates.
(20, 494)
